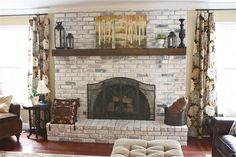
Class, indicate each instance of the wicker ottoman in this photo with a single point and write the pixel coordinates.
(142, 148)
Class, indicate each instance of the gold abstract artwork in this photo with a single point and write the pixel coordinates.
(127, 31)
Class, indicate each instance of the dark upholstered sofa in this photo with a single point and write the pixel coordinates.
(10, 122)
(223, 144)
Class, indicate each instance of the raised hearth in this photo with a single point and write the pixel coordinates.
(107, 131)
(121, 98)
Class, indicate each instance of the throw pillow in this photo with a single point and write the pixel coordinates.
(5, 102)
(4, 108)
(64, 111)
(179, 105)
(5, 99)
(232, 130)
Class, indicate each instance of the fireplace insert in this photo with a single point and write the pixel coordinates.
(121, 98)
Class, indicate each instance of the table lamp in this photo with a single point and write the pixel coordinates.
(42, 89)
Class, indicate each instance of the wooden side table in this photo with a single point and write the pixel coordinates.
(37, 125)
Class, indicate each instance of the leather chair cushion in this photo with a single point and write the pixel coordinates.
(226, 144)
(8, 117)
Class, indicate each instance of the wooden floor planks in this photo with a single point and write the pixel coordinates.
(195, 148)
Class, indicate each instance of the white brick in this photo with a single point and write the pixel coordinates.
(169, 12)
(159, 12)
(71, 23)
(88, 36)
(119, 13)
(180, 133)
(88, 27)
(94, 14)
(59, 16)
(71, 14)
(81, 23)
(82, 14)
(151, 17)
(174, 138)
(175, 17)
(88, 19)
(182, 12)
(130, 13)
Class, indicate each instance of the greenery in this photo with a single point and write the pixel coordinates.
(161, 36)
(34, 93)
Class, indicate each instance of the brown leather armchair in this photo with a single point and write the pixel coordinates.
(223, 144)
(10, 123)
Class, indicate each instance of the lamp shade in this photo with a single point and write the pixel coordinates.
(42, 88)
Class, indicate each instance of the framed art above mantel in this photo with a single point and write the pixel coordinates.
(121, 31)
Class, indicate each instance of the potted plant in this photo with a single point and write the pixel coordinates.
(160, 40)
(34, 95)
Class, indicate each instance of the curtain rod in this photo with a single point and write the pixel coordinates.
(24, 14)
(215, 9)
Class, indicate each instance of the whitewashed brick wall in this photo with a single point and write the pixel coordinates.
(72, 74)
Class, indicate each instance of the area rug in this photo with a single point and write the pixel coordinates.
(20, 154)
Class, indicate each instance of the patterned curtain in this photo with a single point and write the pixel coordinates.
(202, 99)
(38, 60)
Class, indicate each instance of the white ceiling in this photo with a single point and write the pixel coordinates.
(27, 6)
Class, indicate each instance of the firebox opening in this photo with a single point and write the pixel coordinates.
(121, 102)
(120, 98)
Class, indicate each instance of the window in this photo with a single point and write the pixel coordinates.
(226, 67)
(14, 62)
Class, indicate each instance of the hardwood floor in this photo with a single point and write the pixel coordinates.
(195, 148)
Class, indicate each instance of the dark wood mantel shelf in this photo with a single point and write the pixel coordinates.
(120, 52)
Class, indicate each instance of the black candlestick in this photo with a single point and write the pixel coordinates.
(181, 34)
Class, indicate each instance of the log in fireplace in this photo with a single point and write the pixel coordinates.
(121, 98)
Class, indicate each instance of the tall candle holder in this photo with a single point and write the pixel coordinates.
(181, 34)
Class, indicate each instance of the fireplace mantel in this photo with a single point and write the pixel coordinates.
(120, 52)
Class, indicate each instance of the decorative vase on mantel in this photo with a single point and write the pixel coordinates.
(160, 43)
(161, 39)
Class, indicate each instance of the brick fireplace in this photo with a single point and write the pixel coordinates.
(73, 74)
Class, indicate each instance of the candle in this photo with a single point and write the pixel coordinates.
(99, 33)
(139, 31)
(104, 33)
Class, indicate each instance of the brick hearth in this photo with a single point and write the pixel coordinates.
(107, 131)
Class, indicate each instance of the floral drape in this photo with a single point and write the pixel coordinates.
(38, 59)
(202, 99)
